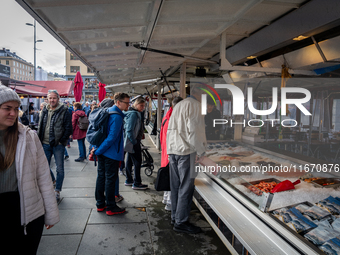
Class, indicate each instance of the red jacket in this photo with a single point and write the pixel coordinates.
(78, 133)
(164, 130)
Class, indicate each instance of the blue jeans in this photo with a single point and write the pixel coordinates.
(106, 182)
(82, 148)
(66, 153)
(58, 152)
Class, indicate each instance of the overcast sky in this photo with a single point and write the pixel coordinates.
(18, 37)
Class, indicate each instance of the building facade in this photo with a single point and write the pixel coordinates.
(20, 69)
(73, 65)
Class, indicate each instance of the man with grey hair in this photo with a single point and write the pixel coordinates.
(54, 129)
(186, 143)
(87, 108)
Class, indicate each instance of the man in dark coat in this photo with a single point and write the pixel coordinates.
(55, 127)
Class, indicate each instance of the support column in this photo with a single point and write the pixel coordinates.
(183, 77)
(238, 127)
(159, 114)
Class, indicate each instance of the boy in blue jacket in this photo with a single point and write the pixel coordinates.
(109, 153)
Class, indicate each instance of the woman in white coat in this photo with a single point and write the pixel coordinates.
(26, 191)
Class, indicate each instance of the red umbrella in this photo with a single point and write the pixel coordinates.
(78, 87)
(102, 91)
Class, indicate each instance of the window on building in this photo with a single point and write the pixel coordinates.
(7, 62)
(74, 69)
(89, 70)
(73, 57)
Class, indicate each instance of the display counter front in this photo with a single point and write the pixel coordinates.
(262, 202)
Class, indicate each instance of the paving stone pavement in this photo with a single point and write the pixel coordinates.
(144, 229)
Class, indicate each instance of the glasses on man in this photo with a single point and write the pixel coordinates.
(124, 102)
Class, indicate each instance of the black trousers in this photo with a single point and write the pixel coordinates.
(12, 233)
(136, 160)
(107, 174)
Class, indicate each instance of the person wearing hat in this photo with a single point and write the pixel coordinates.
(26, 190)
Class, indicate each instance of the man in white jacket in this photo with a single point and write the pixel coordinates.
(186, 143)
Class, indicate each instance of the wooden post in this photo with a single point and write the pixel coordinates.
(238, 127)
(183, 77)
(159, 114)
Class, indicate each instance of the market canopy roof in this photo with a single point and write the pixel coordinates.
(65, 88)
(102, 33)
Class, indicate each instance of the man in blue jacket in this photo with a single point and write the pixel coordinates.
(110, 153)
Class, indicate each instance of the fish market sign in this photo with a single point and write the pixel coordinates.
(238, 104)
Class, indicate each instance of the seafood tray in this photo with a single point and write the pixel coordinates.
(327, 183)
(256, 191)
(294, 205)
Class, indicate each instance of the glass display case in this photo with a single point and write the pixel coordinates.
(286, 193)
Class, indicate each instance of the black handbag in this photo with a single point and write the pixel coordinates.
(163, 179)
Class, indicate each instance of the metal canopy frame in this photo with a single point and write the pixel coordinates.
(97, 32)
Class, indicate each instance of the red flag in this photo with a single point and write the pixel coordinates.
(102, 92)
(78, 87)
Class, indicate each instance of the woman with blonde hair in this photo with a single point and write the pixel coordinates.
(26, 190)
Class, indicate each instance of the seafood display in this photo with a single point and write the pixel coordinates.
(311, 179)
(331, 247)
(327, 182)
(262, 186)
(320, 235)
(257, 187)
(318, 220)
(319, 223)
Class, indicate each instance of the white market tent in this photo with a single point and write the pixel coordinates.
(109, 36)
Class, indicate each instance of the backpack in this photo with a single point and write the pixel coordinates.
(97, 131)
(83, 122)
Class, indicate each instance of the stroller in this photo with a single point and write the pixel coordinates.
(147, 160)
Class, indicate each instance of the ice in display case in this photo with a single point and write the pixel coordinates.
(266, 170)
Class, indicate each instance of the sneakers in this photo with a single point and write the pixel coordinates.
(168, 207)
(57, 196)
(79, 160)
(115, 211)
(101, 209)
(128, 183)
(139, 186)
(187, 228)
(66, 157)
(118, 198)
(122, 172)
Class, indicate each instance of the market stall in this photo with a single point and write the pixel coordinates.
(238, 201)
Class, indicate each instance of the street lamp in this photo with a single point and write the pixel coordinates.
(35, 41)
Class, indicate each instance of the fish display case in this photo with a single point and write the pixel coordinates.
(263, 202)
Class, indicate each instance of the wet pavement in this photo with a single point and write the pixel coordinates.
(144, 229)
